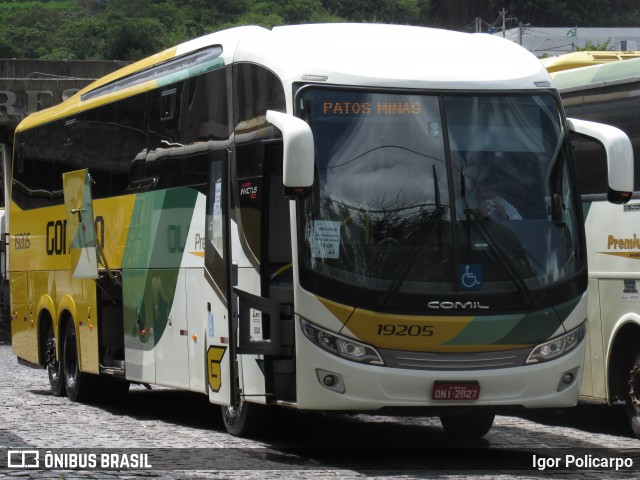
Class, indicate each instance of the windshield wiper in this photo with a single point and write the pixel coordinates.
(423, 235)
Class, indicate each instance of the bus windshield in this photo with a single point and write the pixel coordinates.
(418, 195)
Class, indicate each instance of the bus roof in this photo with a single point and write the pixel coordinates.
(597, 75)
(373, 55)
(391, 55)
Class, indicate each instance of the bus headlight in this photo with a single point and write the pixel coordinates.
(559, 346)
(340, 346)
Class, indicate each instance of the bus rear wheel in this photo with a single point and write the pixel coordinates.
(244, 419)
(473, 425)
(633, 398)
(76, 382)
(54, 366)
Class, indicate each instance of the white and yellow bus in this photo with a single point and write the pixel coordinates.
(609, 92)
(300, 217)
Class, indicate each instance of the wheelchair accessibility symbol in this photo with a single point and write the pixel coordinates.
(471, 276)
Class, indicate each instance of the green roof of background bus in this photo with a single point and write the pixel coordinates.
(596, 74)
(573, 60)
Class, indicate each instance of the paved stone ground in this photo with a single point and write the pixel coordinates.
(182, 431)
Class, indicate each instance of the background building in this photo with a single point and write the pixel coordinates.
(543, 41)
(27, 86)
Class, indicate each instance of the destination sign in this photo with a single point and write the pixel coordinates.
(338, 108)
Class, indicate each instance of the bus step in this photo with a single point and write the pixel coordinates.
(114, 370)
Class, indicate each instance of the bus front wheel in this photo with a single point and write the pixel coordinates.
(244, 419)
(633, 398)
(473, 424)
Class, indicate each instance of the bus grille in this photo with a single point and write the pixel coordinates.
(455, 361)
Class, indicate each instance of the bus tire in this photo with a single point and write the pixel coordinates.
(244, 420)
(632, 400)
(54, 365)
(75, 381)
(473, 424)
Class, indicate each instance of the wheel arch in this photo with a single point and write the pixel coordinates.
(45, 309)
(68, 305)
(45, 320)
(64, 317)
(624, 345)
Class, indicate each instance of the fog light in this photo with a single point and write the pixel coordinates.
(567, 379)
(331, 380)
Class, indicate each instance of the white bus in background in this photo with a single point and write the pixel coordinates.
(295, 218)
(608, 91)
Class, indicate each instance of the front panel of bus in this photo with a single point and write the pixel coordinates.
(438, 251)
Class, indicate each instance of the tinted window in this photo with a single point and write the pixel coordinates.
(256, 91)
(37, 151)
(591, 165)
(154, 140)
(186, 121)
(614, 105)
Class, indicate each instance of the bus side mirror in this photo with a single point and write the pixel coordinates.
(619, 152)
(298, 153)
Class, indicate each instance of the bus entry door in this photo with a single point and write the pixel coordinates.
(80, 223)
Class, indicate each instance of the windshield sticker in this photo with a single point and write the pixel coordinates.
(216, 222)
(471, 276)
(255, 334)
(326, 239)
(211, 324)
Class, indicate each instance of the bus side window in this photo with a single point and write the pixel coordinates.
(591, 164)
(256, 91)
(216, 221)
(279, 231)
(33, 180)
(278, 226)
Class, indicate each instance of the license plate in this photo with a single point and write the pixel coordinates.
(455, 390)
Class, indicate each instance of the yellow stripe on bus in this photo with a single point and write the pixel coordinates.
(75, 104)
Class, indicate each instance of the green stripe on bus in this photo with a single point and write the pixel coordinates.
(159, 226)
(191, 72)
(518, 329)
(148, 298)
(608, 72)
(151, 263)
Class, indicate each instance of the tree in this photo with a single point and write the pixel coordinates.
(132, 29)
(386, 11)
(112, 36)
(32, 30)
(591, 47)
(558, 13)
(8, 49)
